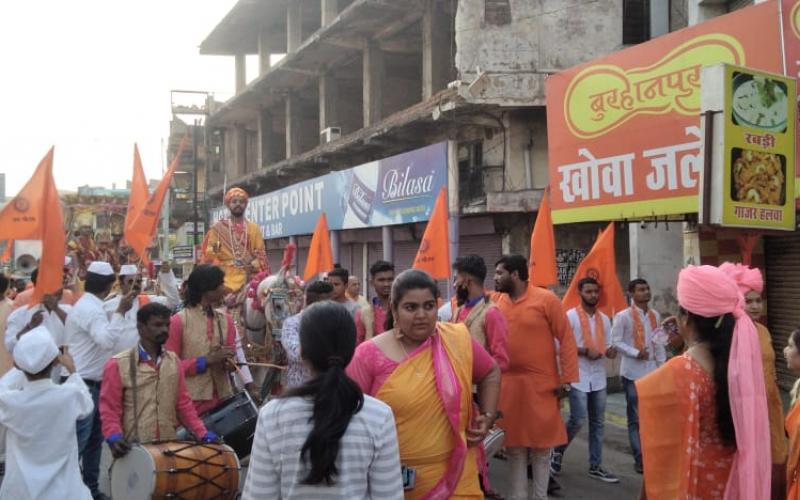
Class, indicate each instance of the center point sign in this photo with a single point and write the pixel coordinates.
(397, 190)
(624, 131)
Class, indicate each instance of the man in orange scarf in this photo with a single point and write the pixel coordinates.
(537, 375)
(236, 245)
(633, 337)
(592, 331)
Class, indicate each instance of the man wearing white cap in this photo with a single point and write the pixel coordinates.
(130, 279)
(37, 424)
(91, 337)
(51, 313)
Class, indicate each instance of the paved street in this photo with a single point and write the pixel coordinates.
(575, 483)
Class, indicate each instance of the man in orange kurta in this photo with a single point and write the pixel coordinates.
(539, 373)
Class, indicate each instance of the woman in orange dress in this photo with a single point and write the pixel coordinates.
(700, 408)
(425, 371)
(792, 354)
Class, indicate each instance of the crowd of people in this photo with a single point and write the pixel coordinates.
(395, 396)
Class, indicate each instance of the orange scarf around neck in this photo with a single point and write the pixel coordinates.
(638, 326)
(598, 342)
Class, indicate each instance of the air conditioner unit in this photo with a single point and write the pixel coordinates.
(330, 134)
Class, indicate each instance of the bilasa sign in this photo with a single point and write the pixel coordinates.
(396, 190)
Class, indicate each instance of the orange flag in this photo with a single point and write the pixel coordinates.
(139, 192)
(320, 254)
(433, 255)
(599, 264)
(7, 252)
(141, 231)
(542, 260)
(35, 214)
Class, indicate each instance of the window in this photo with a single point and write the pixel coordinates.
(635, 21)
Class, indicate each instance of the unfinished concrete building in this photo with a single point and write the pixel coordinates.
(363, 80)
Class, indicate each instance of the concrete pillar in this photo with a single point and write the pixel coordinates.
(656, 254)
(374, 74)
(453, 201)
(435, 50)
(328, 97)
(335, 246)
(387, 239)
(240, 66)
(294, 26)
(699, 12)
(263, 52)
(293, 125)
(330, 9)
(240, 149)
(266, 144)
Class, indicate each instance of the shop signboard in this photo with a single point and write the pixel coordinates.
(752, 147)
(401, 189)
(624, 131)
(183, 253)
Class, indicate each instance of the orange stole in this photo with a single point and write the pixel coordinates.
(793, 460)
(663, 430)
(424, 434)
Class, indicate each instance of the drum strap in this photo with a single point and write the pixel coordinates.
(222, 343)
(134, 390)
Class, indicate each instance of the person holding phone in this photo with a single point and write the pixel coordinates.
(130, 283)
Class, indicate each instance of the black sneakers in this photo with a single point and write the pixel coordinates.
(600, 473)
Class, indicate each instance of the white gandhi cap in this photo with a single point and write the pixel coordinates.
(101, 268)
(35, 350)
(128, 270)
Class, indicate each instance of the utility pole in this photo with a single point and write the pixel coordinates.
(195, 169)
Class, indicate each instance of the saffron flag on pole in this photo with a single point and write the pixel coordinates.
(320, 254)
(143, 228)
(139, 192)
(601, 265)
(7, 252)
(542, 259)
(433, 255)
(35, 214)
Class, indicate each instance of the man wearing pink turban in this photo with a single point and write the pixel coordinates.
(236, 244)
(751, 284)
(703, 414)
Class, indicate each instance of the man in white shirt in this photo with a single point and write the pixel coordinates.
(338, 279)
(91, 338)
(131, 279)
(633, 337)
(50, 313)
(592, 331)
(37, 424)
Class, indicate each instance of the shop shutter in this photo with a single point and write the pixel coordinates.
(488, 246)
(783, 297)
(739, 4)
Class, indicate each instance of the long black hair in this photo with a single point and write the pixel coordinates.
(411, 279)
(204, 278)
(718, 334)
(327, 342)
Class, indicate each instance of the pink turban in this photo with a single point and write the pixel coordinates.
(235, 191)
(709, 291)
(748, 278)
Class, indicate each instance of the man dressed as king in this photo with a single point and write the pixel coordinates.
(236, 244)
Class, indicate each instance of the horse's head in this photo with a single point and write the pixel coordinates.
(280, 296)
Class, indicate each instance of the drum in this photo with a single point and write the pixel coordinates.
(176, 469)
(493, 442)
(234, 420)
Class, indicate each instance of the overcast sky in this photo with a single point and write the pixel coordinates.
(93, 76)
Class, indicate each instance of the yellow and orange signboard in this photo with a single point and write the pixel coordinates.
(790, 14)
(624, 130)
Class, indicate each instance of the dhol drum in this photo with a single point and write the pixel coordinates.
(234, 420)
(493, 442)
(176, 469)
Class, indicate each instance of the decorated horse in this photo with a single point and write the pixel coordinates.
(270, 300)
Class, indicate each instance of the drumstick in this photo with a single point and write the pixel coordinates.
(264, 365)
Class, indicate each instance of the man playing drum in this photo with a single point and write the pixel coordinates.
(206, 341)
(236, 244)
(144, 394)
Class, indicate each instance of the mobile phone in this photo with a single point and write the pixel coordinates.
(409, 477)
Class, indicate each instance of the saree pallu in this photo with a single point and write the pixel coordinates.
(430, 395)
(684, 456)
(793, 461)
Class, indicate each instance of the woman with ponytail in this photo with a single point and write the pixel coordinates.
(703, 415)
(325, 438)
